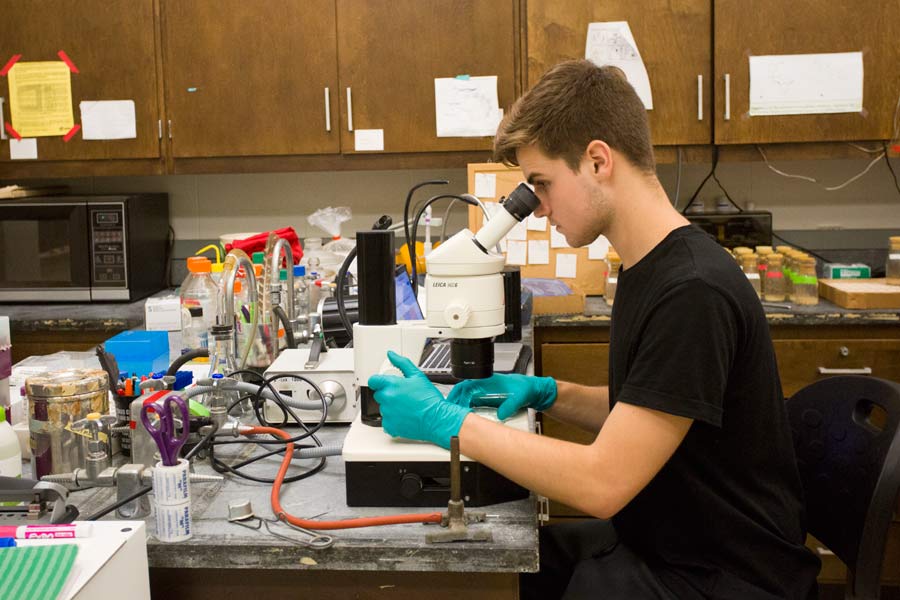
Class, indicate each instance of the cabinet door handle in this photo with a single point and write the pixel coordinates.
(727, 97)
(860, 371)
(170, 129)
(699, 97)
(2, 122)
(349, 110)
(327, 110)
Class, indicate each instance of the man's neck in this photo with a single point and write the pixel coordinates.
(643, 218)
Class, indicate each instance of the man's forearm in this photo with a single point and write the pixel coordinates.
(581, 405)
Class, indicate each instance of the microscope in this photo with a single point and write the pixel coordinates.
(465, 303)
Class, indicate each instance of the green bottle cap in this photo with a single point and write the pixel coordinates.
(2, 414)
(258, 258)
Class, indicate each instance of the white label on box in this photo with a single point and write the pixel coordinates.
(162, 314)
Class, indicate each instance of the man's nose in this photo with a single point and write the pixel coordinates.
(542, 210)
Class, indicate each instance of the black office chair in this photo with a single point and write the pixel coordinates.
(847, 439)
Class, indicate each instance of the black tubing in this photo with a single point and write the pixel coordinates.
(184, 358)
(286, 323)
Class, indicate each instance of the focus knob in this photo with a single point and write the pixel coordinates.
(410, 485)
(457, 315)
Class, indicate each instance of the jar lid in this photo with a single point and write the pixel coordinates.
(68, 382)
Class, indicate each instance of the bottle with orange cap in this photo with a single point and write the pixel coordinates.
(199, 304)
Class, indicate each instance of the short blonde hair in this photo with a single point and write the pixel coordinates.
(574, 103)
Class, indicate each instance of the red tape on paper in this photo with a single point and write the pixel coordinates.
(9, 65)
(71, 133)
(65, 58)
(13, 132)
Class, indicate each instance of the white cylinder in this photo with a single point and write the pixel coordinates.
(172, 485)
(173, 522)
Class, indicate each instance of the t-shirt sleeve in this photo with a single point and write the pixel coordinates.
(684, 354)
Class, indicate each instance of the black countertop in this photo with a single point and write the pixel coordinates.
(825, 313)
(64, 316)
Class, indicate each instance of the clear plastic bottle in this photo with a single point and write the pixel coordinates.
(328, 262)
(612, 275)
(775, 285)
(750, 267)
(301, 294)
(892, 265)
(199, 305)
(10, 452)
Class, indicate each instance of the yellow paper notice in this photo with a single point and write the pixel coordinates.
(40, 98)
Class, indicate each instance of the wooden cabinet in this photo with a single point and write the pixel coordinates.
(113, 44)
(805, 361)
(763, 27)
(673, 42)
(250, 78)
(390, 52)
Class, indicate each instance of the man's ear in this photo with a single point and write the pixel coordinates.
(600, 156)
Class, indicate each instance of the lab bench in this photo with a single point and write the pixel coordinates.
(390, 560)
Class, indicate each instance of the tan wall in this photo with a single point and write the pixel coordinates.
(204, 206)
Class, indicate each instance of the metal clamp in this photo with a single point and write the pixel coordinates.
(456, 519)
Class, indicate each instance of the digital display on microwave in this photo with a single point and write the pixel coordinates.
(106, 218)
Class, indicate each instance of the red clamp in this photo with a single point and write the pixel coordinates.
(9, 65)
(65, 58)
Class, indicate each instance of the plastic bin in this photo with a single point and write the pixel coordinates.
(140, 352)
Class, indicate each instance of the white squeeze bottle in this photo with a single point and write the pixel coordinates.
(10, 454)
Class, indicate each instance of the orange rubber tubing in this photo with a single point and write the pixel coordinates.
(342, 524)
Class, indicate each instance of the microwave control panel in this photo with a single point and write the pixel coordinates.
(108, 245)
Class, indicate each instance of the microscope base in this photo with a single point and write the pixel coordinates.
(385, 471)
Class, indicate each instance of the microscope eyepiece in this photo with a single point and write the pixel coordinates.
(521, 202)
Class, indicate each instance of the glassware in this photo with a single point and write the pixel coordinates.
(806, 284)
(774, 287)
(892, 266)
(750, 267)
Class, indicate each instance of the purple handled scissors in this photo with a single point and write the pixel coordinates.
(163, 429)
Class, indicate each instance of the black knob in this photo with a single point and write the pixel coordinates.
(410, 485)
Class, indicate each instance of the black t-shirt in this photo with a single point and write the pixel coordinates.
(724, 517)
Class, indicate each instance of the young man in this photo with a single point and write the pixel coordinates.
(692, 471)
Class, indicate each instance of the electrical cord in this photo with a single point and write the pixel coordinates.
(412, 254)
(409, 196)
(286, 323)
(711, 174)
(185, 358)
(105, 511)
(257, 400)
(282, 515)
(678, 169)
(887, 161)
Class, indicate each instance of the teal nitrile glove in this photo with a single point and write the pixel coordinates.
(509, 393)
(411, 407)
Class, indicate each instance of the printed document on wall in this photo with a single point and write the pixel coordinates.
(107, 120)
(40, 98)
(802, 84)
(611, 43)
(466, 106)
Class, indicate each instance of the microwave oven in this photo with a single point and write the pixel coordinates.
(83, 248)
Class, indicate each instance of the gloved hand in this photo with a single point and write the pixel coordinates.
(509, 393)
(411, 407)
